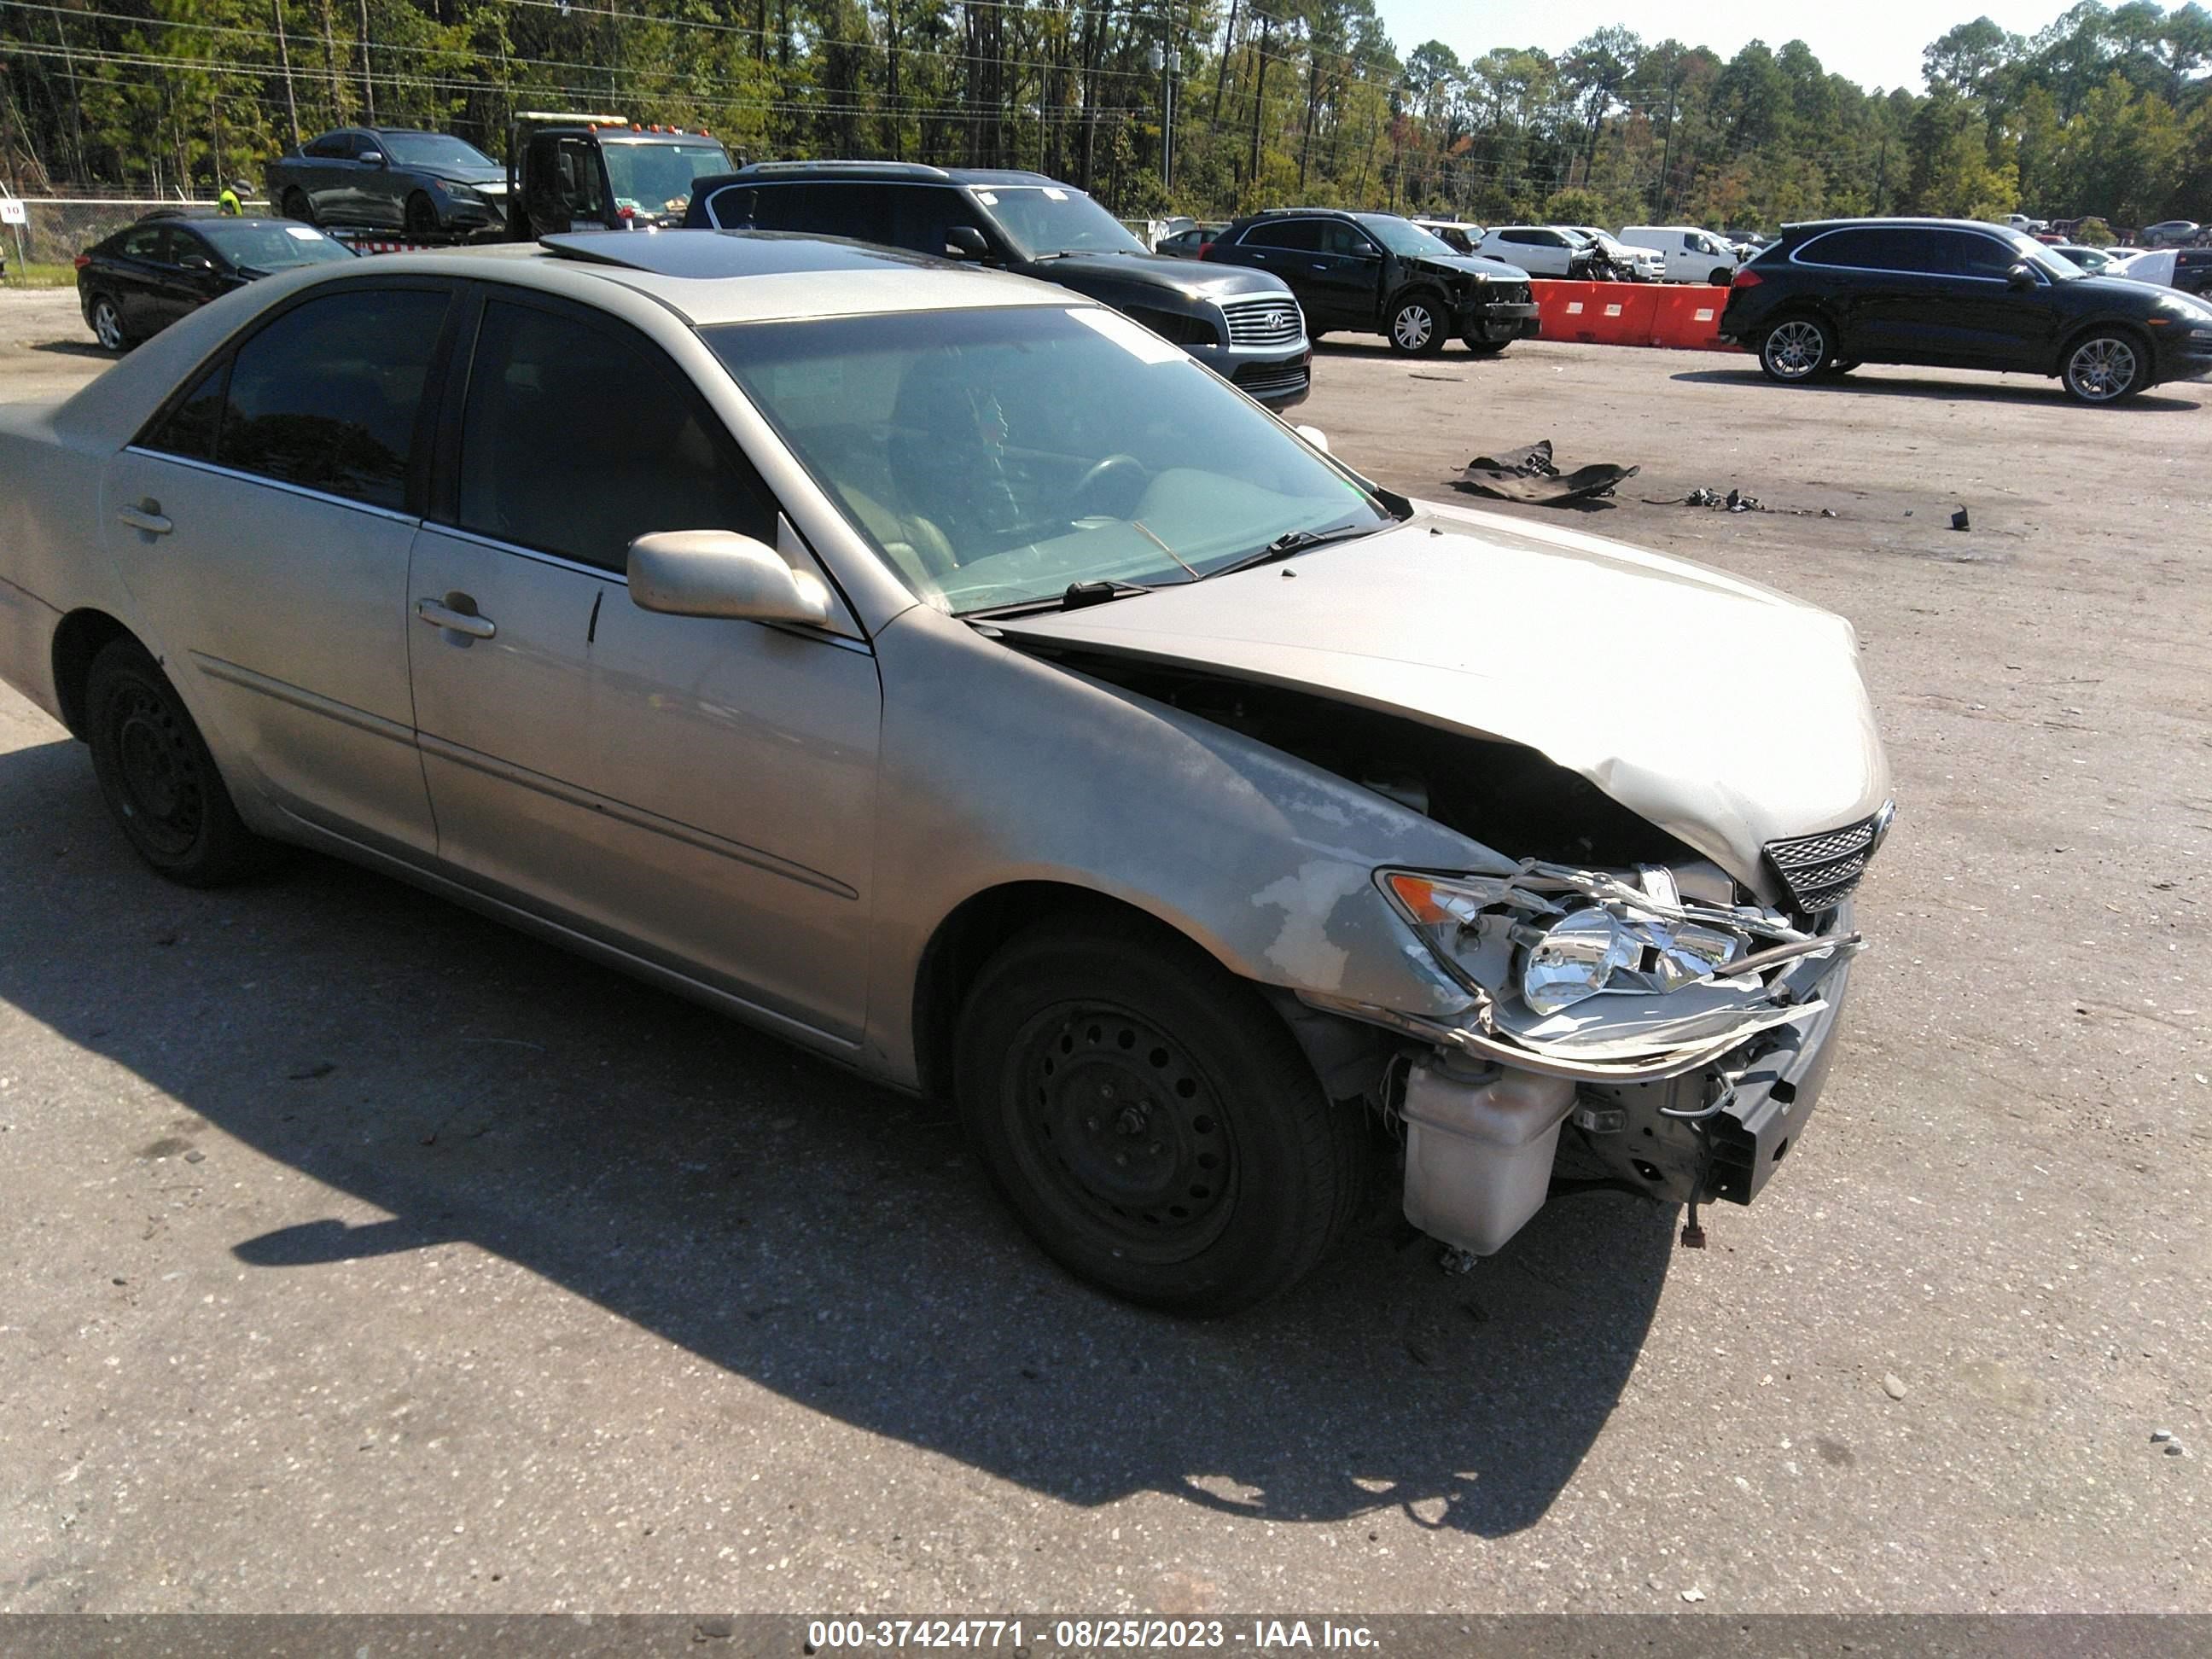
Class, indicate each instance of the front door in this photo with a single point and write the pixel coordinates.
(264, 525)
(697, 792)
(1347, 279)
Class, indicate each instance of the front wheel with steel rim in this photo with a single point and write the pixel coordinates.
(107, 324)
(1796, 349)
(160, 781)
(1152, 1121)
(1416, 330)
(2105, 368)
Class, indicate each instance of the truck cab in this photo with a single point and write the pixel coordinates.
(579, 172)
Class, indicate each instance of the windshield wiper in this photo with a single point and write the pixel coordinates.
(1076, 597)
(1294, 542)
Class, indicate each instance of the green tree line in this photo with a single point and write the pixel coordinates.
(2106, 111)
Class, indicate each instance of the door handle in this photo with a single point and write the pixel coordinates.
(440, 615)
(1321, 267)
(146, 516)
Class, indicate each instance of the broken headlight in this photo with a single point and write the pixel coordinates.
(1555, 937)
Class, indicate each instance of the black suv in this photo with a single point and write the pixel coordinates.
(1243, 325)
(1376, 273)
(1954, 293)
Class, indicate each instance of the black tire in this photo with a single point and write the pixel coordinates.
(105, 320)
(1719, 276)
(1482, 348)
(1796, 350)
(1416, 325)
(295, 205)
(2105, 366)
(160, 781)
(1151, 1120)
(422, 216)
(1844, 368)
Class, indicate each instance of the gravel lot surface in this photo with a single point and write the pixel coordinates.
(359, 1255)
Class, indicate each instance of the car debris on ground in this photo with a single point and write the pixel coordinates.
(1528, 474)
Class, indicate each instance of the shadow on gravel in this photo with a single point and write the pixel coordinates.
(1888, 384)
(779, 1218)
(76, 349)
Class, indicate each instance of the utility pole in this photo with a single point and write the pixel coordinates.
(1168, 62)
(1260, 94)
(1667, 150)
(284, 56)
(368, 85)
(891, 55)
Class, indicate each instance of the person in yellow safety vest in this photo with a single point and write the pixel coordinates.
(228, 202)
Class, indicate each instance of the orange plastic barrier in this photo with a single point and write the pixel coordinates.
(1685, 316)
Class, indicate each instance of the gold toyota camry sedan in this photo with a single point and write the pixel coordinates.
(947, 673)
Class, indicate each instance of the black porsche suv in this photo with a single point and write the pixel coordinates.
(1376, 273)
(1244, 326)
(1956, 293)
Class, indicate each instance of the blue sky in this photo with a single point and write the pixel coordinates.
(1874, 42)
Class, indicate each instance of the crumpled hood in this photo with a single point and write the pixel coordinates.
(483, 178)
(1473, 265)
(1726, 713)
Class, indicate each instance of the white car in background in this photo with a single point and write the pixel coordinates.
(1641, 265)
(1691, 255)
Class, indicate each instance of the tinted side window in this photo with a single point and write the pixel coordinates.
(329, 145)
(922, 215)
(144, 243)
(577, 439)
(862, 211)
(732, 208)
(1965, 254)
(1294, 234)
(192, 426)
(1341, 237)
(1871, 249)
(327, 395)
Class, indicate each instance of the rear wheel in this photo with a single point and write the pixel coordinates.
(1151, 1120)
(159, 779)
(2105, 366)
(1417, 327)
(108, 323)
(1720, 277)
(1796, 349)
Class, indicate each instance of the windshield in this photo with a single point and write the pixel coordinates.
(656, 179)
(435, 149)
(1404, 238)
(1045, 219)
(994, 457)
(268, 246)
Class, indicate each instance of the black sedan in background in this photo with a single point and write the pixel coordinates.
(1955, 293)
(391, 178)
(145, 277)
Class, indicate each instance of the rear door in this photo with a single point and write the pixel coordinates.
(1291, 249)
(1882, 288)
(270, 509)
(696, 793)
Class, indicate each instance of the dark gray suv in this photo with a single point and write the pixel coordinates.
(1244, 324)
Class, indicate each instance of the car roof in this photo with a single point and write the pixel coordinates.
(713, 277)
(1810, 225)
(896, 171)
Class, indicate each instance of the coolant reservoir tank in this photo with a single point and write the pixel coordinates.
(1479, 1150)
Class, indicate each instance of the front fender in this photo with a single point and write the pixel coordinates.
(999, 768)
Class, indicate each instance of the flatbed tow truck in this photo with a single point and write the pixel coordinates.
(569, 170)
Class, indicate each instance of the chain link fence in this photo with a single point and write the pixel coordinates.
(55, 229)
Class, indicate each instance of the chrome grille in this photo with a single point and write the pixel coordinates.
(1270, 320)
(1271, 380)
(1820, 871)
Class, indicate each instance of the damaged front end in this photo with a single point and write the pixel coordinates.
(1646, 1030)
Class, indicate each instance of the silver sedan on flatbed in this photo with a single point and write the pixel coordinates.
(955, 678)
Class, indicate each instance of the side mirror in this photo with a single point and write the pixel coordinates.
(2019, 276)
(372, 158)
(195, 262)
(1314, 435)
(719, 572)
(966, 242)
